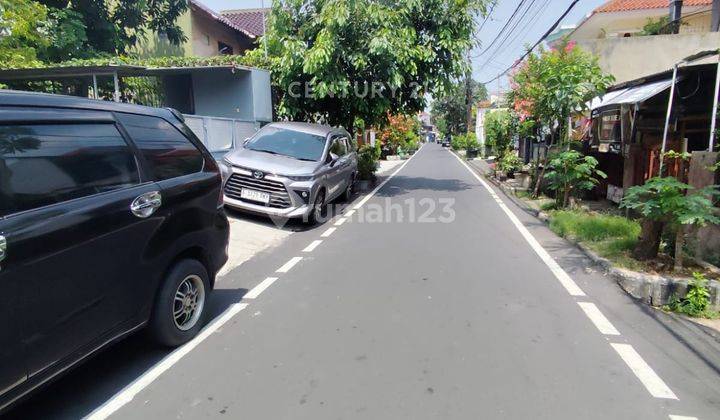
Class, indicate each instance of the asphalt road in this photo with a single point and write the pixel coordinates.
(471, 310)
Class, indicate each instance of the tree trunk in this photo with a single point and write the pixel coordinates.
(649, 241)
(566, 197)
(679, 241)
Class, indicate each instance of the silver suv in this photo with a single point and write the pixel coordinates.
(290, 170)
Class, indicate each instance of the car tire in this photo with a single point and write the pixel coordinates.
(317, 211)
(180, 306)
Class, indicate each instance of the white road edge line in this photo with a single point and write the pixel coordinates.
(340, 221)
(328, 232)
(675, 417)
(255, 291)
(129, 392)
(559, 273)
(597, 318)
(373, 192)
(288, 265)
(314, 244)
(655, 386)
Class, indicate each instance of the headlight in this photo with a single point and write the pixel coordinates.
(300, 177)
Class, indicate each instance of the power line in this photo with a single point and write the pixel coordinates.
(492, 7)
(510, 32)
(549, 31)
(512, 16)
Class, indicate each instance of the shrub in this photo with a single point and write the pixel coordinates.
(697, 300)
(510, 162)
(367, 162)
(571, 172)
(459, 142)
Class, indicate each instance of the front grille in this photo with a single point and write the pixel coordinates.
(279, 197)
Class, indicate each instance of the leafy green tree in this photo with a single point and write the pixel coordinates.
(23, 25)
(665, 200)
(339, 61)
(113, 27)
(570, 172)
(449, 109)
(499, 131)
(552, 84)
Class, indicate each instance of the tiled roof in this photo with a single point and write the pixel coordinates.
(251, 20)
(220, 18)
(627, 5)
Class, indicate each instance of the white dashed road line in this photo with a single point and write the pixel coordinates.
(655, 386)
(129, 392)
(349, 213)
(288, 265)
(674, 417)
(312, 246)
(597, 318)
(328, 232)
(255, 291)
(340, 221)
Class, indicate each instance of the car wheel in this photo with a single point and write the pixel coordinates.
(179, 310)
(316, 214)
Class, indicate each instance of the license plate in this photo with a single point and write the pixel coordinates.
(254, 195)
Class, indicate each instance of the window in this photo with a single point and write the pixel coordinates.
(168, 152)
(47, 164)
(207, 39)
(291, 143)
(224, 49)
(338, 146)
(609, 130)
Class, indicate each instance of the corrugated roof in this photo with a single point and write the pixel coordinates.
(627, 5)
(250, 20)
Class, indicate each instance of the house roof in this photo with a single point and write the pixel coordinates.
(220, 18)
(250, 20)
(627, 5)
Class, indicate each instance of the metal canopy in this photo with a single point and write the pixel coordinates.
(633, 95)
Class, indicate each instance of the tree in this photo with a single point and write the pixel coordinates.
(449, 109)
(499, 131)
(114, 26)
(337, 61)
(551, 85)
(665, 200)
(22, 32)
(571, 172)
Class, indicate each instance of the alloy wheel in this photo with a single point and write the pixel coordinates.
(189, 302)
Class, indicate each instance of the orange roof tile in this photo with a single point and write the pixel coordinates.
(626, 5)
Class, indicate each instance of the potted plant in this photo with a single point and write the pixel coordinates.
(367, 165)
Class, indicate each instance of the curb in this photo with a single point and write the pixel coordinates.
(652, 289)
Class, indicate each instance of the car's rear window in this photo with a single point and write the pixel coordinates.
(43, 164)
(281, 141)
(168, 152)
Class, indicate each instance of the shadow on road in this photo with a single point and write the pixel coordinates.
(92, 383)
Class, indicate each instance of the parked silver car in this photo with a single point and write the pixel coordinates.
(290, 169)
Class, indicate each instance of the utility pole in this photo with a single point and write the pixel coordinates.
(468, 93)
(675, 15)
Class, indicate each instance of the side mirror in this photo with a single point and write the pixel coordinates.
(245, 142)
(331, 158)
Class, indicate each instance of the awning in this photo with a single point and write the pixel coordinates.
(633, 95)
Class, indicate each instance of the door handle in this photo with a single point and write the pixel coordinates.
(3, 247)
(145, 205)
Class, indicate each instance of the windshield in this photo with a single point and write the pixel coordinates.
(295, 144)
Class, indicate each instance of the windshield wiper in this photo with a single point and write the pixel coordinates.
(266, 151)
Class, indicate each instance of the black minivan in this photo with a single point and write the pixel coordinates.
(111, 219)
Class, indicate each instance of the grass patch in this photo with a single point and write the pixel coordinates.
(586, 227)
(612, 237)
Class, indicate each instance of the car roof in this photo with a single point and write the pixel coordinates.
(317, 129)
(49, 100)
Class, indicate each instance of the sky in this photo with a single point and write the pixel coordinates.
(539, 18)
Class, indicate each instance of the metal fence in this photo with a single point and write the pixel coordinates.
(220, 134)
